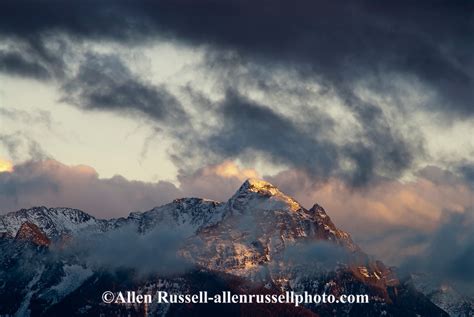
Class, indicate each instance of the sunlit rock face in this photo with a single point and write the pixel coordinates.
(30, 232)
(260, 240)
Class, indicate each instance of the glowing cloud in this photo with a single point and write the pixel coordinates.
(229, 169)
(6, 166)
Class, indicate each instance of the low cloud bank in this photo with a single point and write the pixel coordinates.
(54, 184)
(154, 252)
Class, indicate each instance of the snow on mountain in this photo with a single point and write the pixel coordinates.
(194, 212)
(72, 278)
(443, 295)
(57, 222)
(54, 222)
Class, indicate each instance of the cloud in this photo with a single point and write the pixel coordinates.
(23, 144)
(5, 166)
(104, 82)
(467, 170)
(15, 63)
(20, 144)
(340, 42)
(218, 182)
(51, 183)
(249, 130)
(38, 116)
(315, 257)
(43, 57)
(155, 252)
(372, 50)
(449, 256)
(249, 126)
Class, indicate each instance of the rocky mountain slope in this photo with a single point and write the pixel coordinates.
(260, 240)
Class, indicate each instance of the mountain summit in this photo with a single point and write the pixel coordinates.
(256, 192)
(256, 185)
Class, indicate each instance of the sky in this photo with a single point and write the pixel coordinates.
(364, 107)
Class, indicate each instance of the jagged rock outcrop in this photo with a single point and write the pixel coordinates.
(30, 232)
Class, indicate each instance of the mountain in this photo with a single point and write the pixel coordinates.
(54, 222)
(58, 261)
(443, 295)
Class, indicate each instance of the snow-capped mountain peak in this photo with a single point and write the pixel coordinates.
(259, 194)
(258, 185)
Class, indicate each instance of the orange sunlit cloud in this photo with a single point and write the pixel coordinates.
(229, 169)
(5, 166)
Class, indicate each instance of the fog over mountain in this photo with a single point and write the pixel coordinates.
(259, 238)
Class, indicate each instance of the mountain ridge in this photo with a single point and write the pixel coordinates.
(252, 236)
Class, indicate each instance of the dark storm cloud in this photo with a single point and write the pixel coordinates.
(450, 251)
(41, 117)
(339, 41)
(91, 19)
(15, 63)
(104, 82)
(34, 56)
(467, 171)
(247, 127)
(20, 144)
(339, 45)
(384, 148)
